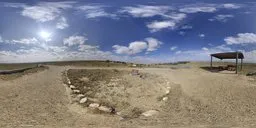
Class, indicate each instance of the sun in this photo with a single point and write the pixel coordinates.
(45, 35)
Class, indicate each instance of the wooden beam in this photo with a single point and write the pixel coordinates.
(236, 61)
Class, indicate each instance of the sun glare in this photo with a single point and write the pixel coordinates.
(45, 35)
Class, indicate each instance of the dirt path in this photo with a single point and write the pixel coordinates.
(40, 100)
(202, 98)
(36, 99)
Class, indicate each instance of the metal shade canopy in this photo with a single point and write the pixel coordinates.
(228, 55)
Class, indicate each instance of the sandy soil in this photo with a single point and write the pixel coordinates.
(196, 98)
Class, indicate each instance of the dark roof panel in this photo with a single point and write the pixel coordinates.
(228, 55)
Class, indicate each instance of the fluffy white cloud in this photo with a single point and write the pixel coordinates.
(201, 35)
(74, 40)
(150, 44)
(41, 14)
(197, 9)
(53, 54)
(182, 33)
(176, 16)
(133, 48)
(178, 52)
(1, 39)
(207, 8)
(45, 11)
(159, 25)
(137, 46)
(84, 47)
(205, 49)
(204, 54)
(187, 27)
(146, 11)
(62, 23)
(250, 56)
(200, 54)
(153, 44)
(118, 49)
(223, 47)
(221, 18)
(173, 48)
(241, 38)
(15, 5)
(231, 6)
(25, 41)
(94, 11)
(57, 48)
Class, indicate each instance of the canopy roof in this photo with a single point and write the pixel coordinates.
(228, 55)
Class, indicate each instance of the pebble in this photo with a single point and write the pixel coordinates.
(150, 113)
(72, 87)
(93, 100)
(69, 81)
(76, 91)
(94, 105)
(167, 91)
(105, 109)
(84, 79)
(80, 96)
(165, 98)
(119, 113)
(83, 100)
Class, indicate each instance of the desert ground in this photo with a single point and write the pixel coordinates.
(73, 95)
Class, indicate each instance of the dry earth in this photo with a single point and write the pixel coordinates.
(196, 98)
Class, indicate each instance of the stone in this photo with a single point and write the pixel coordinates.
(150, 113)
(85, 79)
(118, 113)
(83, 100)
(69, 81)
(72, 87)
(93, 100)
(167, 91)
(80, 96)
(105, 109)
(165, 98)
(76, 91)
(251, 74)
(94, 105)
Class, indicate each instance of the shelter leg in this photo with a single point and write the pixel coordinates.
(211, 62)
(241, 64)
(236, 62)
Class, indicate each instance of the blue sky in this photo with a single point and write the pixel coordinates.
(143, 32)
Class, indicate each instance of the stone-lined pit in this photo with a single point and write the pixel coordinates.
(116, 91)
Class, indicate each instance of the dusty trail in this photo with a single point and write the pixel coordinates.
(209, 99)
(37, 99)
(40, 100)
(197, 99)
